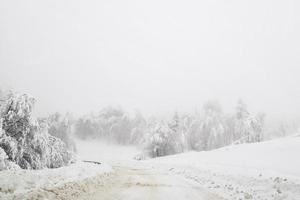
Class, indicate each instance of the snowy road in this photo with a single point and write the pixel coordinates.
(263, 171)
(136, 181)
(142, 183)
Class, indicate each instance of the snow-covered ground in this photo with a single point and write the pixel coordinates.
(64, 182)
(69, 182)
(266, 170)
(276, 157)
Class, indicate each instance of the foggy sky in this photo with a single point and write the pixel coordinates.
(157, 56)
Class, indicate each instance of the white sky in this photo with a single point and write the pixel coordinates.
(157, 56)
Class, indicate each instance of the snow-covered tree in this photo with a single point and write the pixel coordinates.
(162, 140)
(247, 127)
(60, 127)
(206, 131)
(212, 129)
(194, 134)
(229, 129)
(86, 127)
(176, 125)
(112, 124)
(139, 126)
(4, 161)
(24, 140)
(120, 131)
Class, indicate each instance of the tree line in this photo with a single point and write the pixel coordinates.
(205, 130)
(35, 143)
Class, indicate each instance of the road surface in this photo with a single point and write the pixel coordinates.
(148, 184)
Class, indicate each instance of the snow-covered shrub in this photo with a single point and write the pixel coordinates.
(24, 140)
(60, 127)
(162, 141)
(58, 153)
(5, 163)
(3, 158)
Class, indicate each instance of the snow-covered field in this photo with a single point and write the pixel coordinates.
(270, 158)
(267, 170)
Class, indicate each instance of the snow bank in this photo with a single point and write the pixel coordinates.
(276, 157)
(21, 183)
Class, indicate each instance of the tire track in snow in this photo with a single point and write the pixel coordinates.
(152, 184)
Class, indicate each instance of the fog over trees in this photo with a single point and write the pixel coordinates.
(35, 143)
(150, 99)
(205, 130)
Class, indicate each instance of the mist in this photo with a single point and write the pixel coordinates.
(169, 99)
(158, 56)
